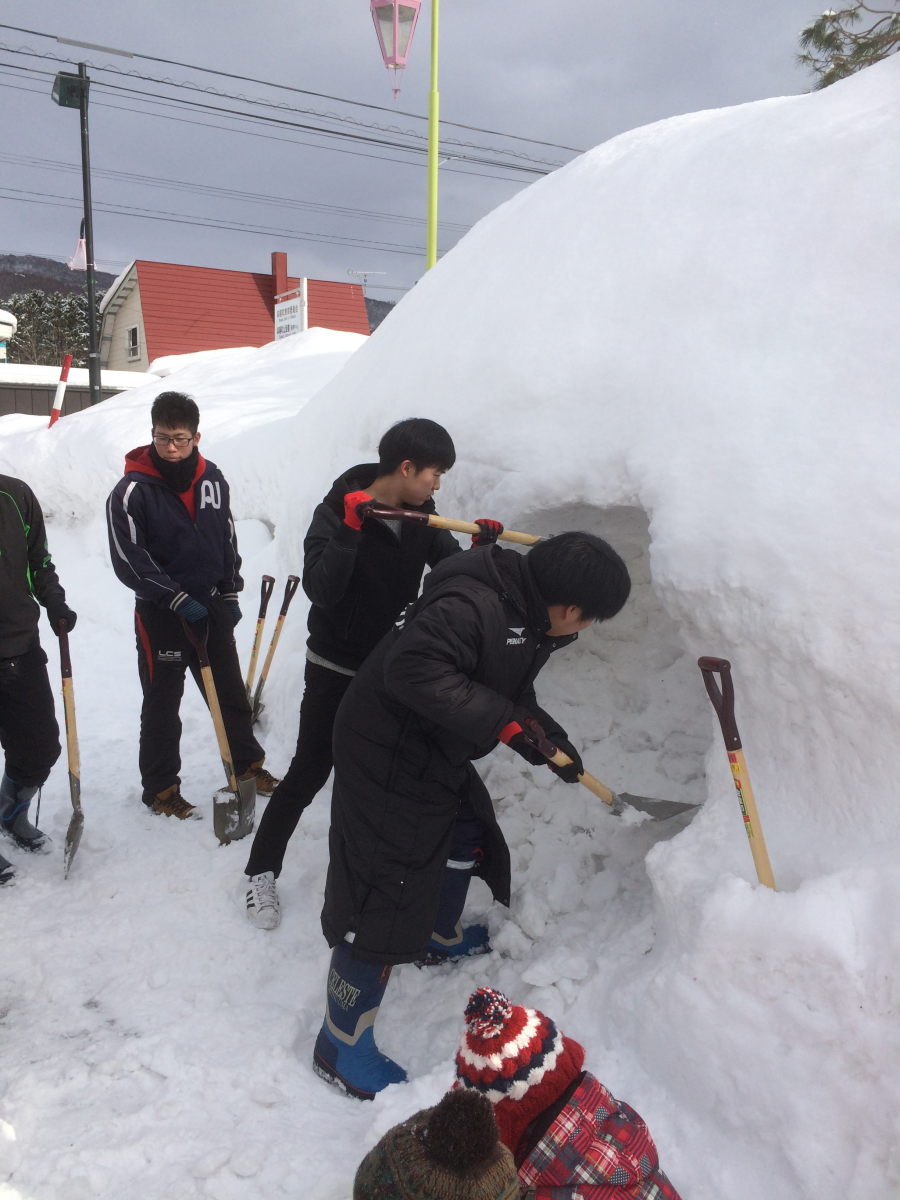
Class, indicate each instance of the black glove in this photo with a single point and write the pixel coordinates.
(570, 772)
(58, 611)
(490, 531)
(233, 606)
(515, 735)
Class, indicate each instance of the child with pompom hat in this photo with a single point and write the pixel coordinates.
(449, 1152)
(569, 1137)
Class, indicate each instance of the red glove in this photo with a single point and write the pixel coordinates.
(490, 531)
(351, 501)
(515, 736)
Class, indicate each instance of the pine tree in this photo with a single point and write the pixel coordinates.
(50, 325)
(833, 46)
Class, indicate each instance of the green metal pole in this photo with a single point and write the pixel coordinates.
(433, 103)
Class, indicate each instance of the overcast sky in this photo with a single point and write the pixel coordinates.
(575, 73)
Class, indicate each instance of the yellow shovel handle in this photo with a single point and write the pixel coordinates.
(508, 535)
(591, 782)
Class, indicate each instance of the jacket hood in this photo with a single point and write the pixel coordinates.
(139, 460)
(505, 571)
(359, 479)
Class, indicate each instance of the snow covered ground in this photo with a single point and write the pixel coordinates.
(684, 340)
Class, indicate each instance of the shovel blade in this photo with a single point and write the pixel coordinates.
(73, 839)
(659, 810)
(234, 814)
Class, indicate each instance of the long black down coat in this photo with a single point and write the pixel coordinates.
(433, 695)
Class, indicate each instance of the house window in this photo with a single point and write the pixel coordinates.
(132, 341)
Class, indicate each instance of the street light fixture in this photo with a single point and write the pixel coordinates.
(395, 22)
(71, 91)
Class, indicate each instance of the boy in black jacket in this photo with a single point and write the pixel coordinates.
(28, 729)
(359, 575)
(172, 541)
(411, 820)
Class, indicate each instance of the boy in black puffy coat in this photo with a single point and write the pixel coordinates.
(172, 541)
(411, 820)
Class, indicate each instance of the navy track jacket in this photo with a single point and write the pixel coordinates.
(162, 550)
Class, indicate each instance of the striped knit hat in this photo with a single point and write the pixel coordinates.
(516, 1057)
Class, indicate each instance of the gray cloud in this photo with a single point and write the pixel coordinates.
(576, 73)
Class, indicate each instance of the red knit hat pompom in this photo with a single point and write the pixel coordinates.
(487, 1012)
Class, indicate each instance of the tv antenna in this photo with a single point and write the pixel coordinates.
(365, 276)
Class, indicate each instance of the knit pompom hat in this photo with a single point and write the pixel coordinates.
(516, 1057)
(449, 1152)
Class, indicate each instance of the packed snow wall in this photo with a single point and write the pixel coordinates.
(695, 322)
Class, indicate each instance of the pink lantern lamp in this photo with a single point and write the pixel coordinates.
(395, 23)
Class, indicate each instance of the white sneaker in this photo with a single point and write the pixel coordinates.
(263, 905)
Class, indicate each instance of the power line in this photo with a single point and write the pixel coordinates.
(190, 85)
(180, 185)
(249, 117)
(24, 196)
(280, 86)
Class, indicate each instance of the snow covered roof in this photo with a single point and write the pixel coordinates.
(31, 375)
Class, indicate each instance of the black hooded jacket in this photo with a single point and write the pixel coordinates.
(27, 576)
(359, 582)
(432, 696)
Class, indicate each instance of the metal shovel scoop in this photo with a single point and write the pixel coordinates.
(76, 824)
(234, 806)
(659, 810)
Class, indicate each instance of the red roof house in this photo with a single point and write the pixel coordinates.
(154, 309)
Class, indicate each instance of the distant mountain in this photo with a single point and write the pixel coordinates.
(376, 310)
(23, 272)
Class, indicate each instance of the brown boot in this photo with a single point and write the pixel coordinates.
(171, 803)
(265, 783)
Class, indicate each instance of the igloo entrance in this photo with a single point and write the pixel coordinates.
(627, 691)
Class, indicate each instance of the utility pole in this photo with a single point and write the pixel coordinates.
(71, 91)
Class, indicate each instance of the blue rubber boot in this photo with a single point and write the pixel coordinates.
(15, 801)
(449, 941)
(345, 1053)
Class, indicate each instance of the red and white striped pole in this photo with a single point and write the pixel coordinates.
(60, 391)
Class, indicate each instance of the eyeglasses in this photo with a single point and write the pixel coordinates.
(162, 439)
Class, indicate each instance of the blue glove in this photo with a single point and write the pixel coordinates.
(192, 611)
(235, 609)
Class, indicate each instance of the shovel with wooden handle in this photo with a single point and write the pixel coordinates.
(660, 810)
(723, 703)
(385, 512)
(268, 585)
(76, 824)
(293, 582)
(234, 806)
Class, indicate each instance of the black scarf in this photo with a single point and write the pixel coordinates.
(177, 475)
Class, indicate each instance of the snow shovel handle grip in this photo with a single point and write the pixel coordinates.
(722, 701)
(65, 659)
(198, 643)
(265, 594)
(293, 582)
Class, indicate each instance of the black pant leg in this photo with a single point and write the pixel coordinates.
(308, 772)
(162, 650)
(29, 732)
(230, 688)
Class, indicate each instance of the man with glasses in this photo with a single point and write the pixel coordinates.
(172, 542)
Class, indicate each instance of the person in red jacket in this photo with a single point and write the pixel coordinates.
(568, 1135)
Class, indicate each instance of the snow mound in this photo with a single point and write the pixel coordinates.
(242, 394)
(685, 341)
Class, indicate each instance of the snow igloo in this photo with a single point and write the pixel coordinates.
(684, 340)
